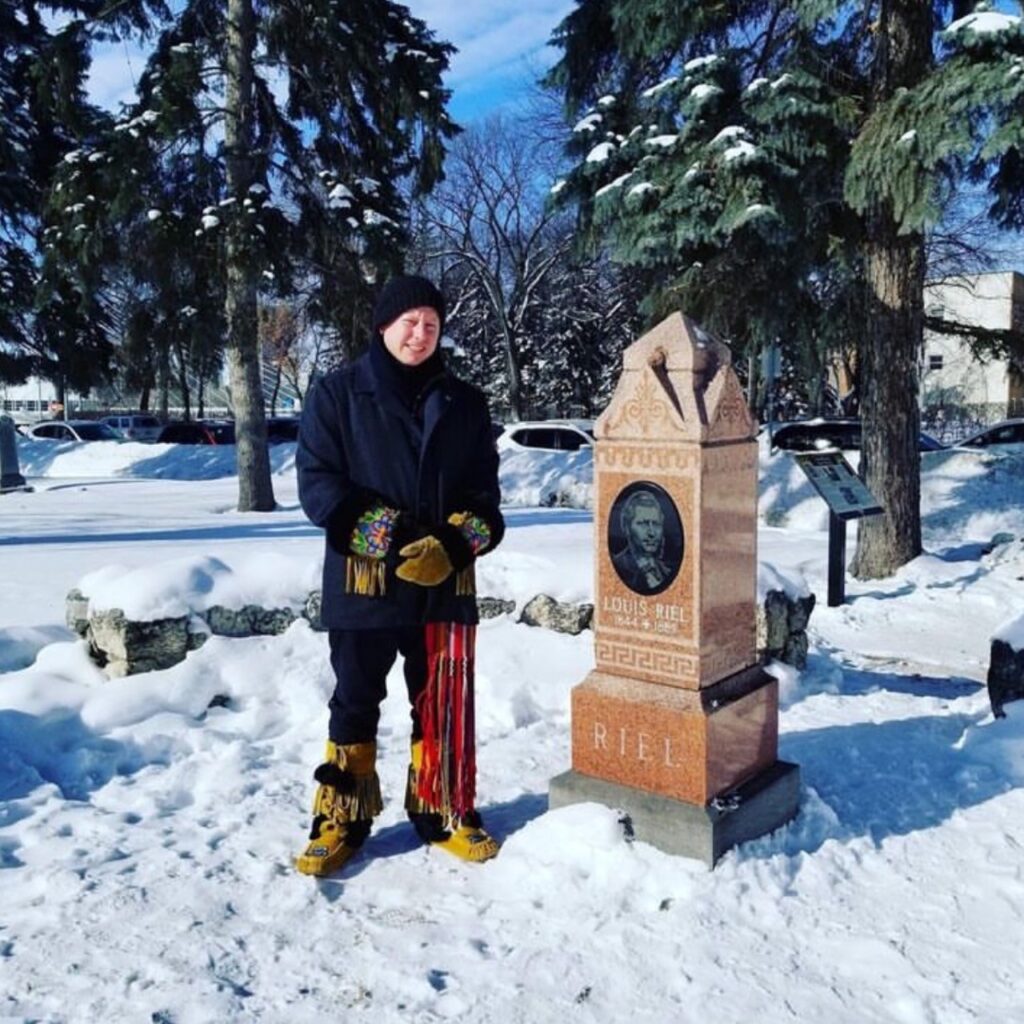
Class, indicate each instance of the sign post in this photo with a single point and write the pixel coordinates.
(847, 497)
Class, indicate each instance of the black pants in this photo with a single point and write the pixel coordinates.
(361, 659)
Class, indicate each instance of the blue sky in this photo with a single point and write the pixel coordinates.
(502, 48)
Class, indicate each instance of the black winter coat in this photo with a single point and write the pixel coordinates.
(360, 442)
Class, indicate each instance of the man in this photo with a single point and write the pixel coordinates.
(396, 462)
(640, 564)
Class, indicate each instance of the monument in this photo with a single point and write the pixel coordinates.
(677, 725)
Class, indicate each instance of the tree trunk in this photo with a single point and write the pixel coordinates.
(164, 383)
(183, 381)
(891, 344)
(515, 377)
(276, 389)
(255, 488)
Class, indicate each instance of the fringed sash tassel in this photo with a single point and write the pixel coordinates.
(447, 779)
(465, 582)
(364, 575)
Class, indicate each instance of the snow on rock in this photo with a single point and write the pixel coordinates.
(1011, 632)
(174, 588)
(771, 577)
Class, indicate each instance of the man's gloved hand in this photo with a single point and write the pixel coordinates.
(426, 562)
(450, 547)
(474, 530)
(373, 532)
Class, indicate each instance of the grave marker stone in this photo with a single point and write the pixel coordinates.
(677, 725)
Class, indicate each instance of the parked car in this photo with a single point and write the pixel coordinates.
(134, 426)
(1004, 432)
(282, 429)
(198, 432)
(550, 435)
(845, 434)
(72, 430)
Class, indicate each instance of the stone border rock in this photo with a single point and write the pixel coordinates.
(782, 627)
(1005, 679)
(562, 617)
(123, 647)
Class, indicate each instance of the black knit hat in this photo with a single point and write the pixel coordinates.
(406, 292)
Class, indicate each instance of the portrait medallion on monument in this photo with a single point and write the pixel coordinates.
(645, 537)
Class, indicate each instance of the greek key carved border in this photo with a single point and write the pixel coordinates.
(645, 661)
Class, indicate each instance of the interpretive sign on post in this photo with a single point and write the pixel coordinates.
(847, 497)
(677, 726)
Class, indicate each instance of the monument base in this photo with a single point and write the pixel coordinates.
(758, 806)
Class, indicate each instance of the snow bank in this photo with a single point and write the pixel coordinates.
(1011, 632)
(547, 478)
(147, 824)
(101, 459)
(177, 587)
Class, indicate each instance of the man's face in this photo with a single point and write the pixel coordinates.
(646, 529)
(413, 336)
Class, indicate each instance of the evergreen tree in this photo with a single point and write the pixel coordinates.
(747, 156)
(309, 121)
(52, 320)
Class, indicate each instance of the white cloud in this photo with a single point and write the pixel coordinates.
(496, 40)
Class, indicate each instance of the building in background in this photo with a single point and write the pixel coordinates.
(32, 401)
(36, 399)
(959, 390)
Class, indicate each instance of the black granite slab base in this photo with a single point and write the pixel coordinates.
(754, 809)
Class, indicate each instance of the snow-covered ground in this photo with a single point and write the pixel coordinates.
(146, 830)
